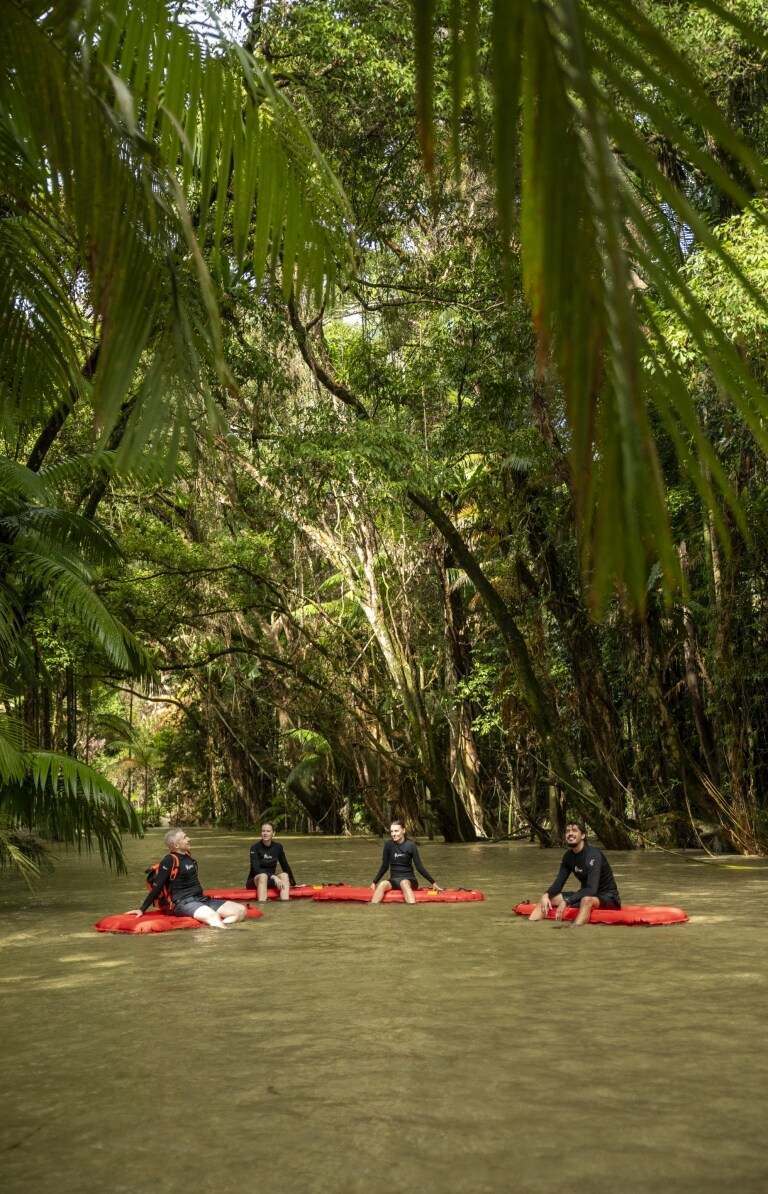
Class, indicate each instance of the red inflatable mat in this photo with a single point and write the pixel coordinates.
(631, 914)
(304, 891)
(155, 922)
(424, 895)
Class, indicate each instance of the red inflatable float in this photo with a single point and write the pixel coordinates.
(631, 914)
(155, 921)
(304, 891)
(424, 895)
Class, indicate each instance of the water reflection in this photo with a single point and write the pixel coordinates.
(341, 1049)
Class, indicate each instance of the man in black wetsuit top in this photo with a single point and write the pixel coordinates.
(400, 856)
(265, 855)
(186, 889)
(592, 869)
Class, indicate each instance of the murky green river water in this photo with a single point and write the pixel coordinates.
(344, 1049)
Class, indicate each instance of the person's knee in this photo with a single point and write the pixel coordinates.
(589, 902)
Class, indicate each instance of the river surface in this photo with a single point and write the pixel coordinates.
(345, 1049)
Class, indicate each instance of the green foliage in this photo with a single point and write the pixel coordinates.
(109, 108)
(570, 180)
(53, 796)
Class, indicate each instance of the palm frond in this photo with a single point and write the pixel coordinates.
(136, 141)
(62, 580)
(13, 749)
(76, 537)
(22, 852)
(572, 177)
(67, 801)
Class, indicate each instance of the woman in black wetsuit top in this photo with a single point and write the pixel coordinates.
(400, 856)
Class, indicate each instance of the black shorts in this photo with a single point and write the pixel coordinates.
(610, 900)
(190, 906)
(271, 881)
(408, 878)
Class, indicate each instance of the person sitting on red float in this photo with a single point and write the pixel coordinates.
(186, 890)
(265, 855)
(400, 856)
(592, 869)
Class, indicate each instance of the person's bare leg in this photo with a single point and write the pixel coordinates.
(585, 907)
(538, 914)
(381, 890)
(209, 917)
(261, 888)
(232, 913)
(285, 887)
(407, 891)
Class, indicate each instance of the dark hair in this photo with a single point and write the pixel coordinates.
(579, 825)
(265, 823)
(397, 821)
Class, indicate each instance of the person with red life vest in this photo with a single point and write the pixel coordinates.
(177, 873)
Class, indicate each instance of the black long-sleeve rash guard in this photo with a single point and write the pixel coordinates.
(591, 868)
(400, 858)
(185, 886)
(264, 860)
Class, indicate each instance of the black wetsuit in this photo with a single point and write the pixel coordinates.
(186, 885)
(592, 869)
(400, 858)
(264, 860)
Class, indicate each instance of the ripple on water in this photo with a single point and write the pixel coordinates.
(456, 1044)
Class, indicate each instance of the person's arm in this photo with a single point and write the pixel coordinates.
(284, 864)
(420, 865)
(560, 881)
(163, 875)
(384, 864)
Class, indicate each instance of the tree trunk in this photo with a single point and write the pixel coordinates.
(543, 716)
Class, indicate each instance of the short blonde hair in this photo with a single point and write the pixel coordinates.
(172, 836)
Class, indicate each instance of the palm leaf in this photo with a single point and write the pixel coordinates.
(70, 802)
(108, 109)
(65, 580)
(572, 178)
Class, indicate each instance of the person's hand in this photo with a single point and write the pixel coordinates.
(545, 904)
(436, 887)
(373, 887)
(135, 912)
